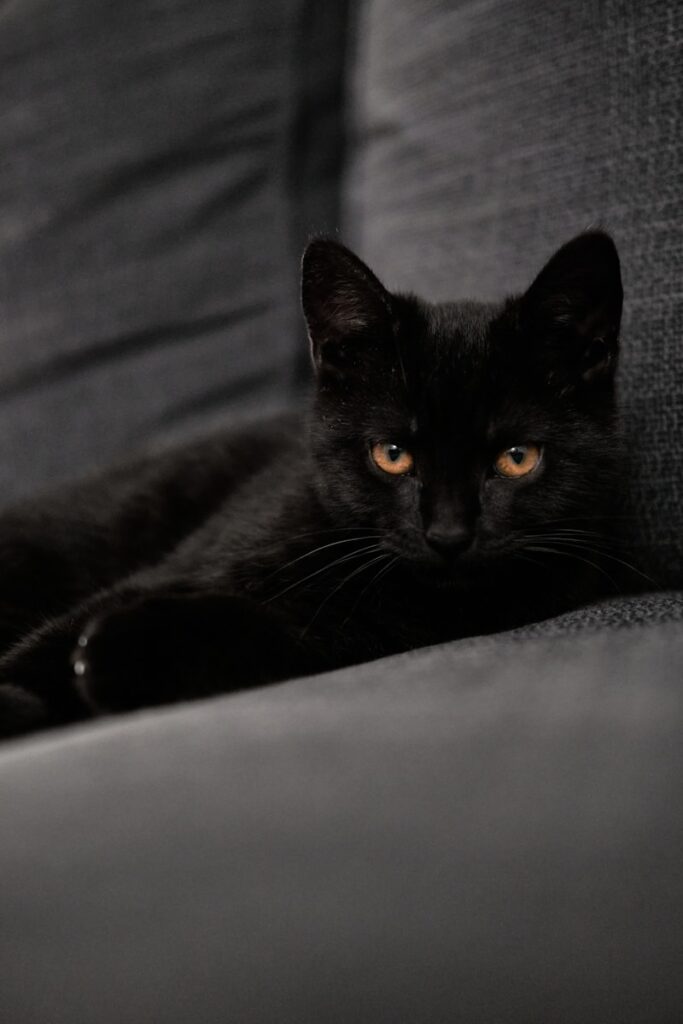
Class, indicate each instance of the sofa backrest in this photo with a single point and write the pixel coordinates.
(486, 134)
(161, 165)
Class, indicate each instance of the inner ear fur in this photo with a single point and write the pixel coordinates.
(344, 303)
(573, 308)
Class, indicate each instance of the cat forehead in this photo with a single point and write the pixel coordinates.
(449, 344)
(466, 373)
(447, 353)
(467, 319)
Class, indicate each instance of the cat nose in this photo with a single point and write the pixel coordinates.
(449, 540)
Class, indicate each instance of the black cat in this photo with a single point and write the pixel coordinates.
(455, 474)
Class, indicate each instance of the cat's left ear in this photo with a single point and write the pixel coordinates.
(573, 310)
(347, 309)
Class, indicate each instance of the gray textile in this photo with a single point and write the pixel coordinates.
(161, 166)
(473, 833)
(486, 134)
(484, 831)
(615, 614)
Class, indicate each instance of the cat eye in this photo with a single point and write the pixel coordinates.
(517, 461)
(392, 458)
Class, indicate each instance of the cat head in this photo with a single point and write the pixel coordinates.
(462, 430)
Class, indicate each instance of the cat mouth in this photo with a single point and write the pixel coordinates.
(444, 567)
(457, 568)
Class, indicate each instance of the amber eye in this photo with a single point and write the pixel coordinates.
(518, 461)
(392, 458)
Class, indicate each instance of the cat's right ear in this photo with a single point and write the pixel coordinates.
(345, 306)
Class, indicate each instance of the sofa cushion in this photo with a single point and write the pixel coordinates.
(489, 133)
(161, 165)
(489, 830)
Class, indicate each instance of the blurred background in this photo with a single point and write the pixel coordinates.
(162, 163)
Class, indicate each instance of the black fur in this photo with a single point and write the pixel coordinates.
(285, 550)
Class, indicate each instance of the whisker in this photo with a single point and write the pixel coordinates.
(527, 558)
(578, 558)
(606, 517)
(375, 579)
(574, 542)
(575, 532)
(596, 541)
(289, 538)
(316, 551)
(328, 597)
(324, 568)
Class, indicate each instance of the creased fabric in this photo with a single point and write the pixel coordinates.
(161, 165)
(476, 832)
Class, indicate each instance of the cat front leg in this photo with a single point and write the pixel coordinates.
(170, 647)
(37, 684)
(36, 680)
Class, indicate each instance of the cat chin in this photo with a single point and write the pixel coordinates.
(467, 571)
(460, 572)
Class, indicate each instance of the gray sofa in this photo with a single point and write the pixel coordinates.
(486, 831)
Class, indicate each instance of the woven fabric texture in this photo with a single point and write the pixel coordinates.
(486, 134)
(467, 833)
(161, 165)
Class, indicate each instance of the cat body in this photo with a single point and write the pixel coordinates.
(454, 473)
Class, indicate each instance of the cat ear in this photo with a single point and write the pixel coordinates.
(344, 303)
(573, 309)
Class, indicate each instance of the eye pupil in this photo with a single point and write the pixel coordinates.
(518, 461)
(392, 458)
(517, 455)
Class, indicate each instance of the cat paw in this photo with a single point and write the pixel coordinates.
(165, 649)
(156, 651)
(117, 659)
(21, 712)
